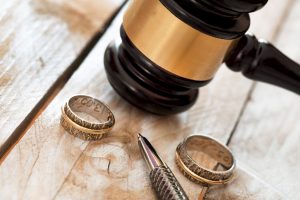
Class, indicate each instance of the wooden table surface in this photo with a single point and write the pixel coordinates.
(51, 50)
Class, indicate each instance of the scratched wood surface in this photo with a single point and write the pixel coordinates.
(39, 40)
(48, 163)
(268, 136)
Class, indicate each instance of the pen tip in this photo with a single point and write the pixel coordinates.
(139, 136)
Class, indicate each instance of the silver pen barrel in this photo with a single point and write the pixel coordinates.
(163, 180)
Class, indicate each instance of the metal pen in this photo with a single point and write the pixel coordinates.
(163, 180)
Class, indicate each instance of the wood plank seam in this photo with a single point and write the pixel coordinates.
(248, 98)
(283, 18)
(25, 125)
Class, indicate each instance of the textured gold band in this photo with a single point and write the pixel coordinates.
(81, 128)
(92, 106)
(194, 171)
(194, 177)
(171, 43)
(77, 131)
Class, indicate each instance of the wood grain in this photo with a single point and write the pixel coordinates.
(267, 137)
(39, 40)
(244, 186)
(48, 163)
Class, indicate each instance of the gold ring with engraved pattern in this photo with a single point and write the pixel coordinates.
(196, 171)
(84, 129)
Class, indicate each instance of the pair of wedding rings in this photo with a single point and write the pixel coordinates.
(104, 121)
(198, 146)
(101, 118)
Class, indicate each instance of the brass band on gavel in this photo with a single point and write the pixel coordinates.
(171, 43)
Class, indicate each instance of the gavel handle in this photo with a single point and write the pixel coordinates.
(261, 61)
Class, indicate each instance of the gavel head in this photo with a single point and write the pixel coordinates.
(171, 48)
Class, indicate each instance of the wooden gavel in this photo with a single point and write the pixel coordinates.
(170, 48)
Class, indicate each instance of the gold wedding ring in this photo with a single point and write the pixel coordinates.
(94, 129)
(207, 146)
